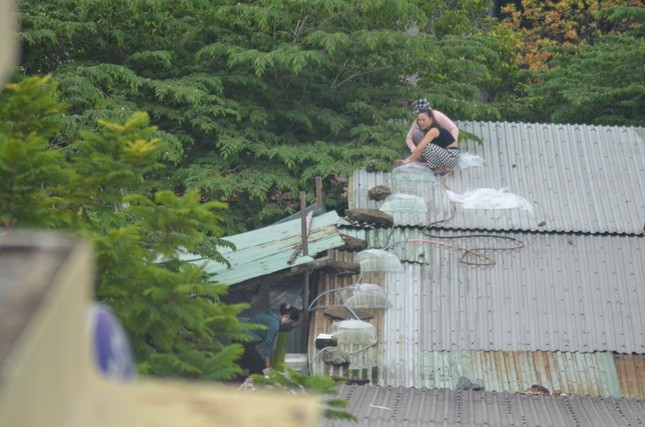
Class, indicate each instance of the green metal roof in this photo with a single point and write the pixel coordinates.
(268, 250)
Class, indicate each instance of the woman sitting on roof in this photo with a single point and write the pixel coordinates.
(433, 144)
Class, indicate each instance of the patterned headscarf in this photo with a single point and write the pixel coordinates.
(421, 104)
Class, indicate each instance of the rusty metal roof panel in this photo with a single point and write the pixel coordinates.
(399, 406)
(270, 249)
(578, 178)
(582, 374)
(630, 369)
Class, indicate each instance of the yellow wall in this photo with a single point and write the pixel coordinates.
(8, 48)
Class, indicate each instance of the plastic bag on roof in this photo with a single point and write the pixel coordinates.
(489, 198)
(365, 295)
(414, 171)
(354, 332)
(467, 160)
(412, 178)
(378, 260)
(406, 203)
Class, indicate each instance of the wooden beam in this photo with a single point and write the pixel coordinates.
(305, 229)
(369, 216)
(326, 264)
(304, 223)
(353, 244)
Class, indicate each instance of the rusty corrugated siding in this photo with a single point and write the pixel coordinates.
(630, 369)
(581, 374)
(564, 311)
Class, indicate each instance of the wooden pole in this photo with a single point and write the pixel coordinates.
(303, 223)
(305, 252)
(318, 192)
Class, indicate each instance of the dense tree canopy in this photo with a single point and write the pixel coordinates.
(581, 87)
(564, 23)
(255, 99)
(95, 188)
(584, 62)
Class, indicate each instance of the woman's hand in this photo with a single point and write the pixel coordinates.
(427, 139)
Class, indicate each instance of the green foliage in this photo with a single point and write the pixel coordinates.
(573, 58)
(602, 83)
(581, 88)
(31, 116)
(294, 382)
(253, 99)
(460, 71)
(631, 19)
(564, 23)
(96, 188)
(455, 17)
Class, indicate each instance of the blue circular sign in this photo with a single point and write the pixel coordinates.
(111, 346)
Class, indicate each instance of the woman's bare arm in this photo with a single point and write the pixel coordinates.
(427, 139)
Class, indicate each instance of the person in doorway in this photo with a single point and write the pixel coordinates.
(432, 143)
(257, 353)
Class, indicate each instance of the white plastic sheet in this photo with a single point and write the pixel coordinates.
(378, 260)
(408, 203)
(354, 332)
(490, 198)
(365, 295)
(467, 160)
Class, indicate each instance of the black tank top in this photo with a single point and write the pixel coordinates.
(444, 139)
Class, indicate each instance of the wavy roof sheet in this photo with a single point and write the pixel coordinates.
(271, 249)
(576, 293)
(578, 178)
(398, 406)
(564, 309)
(558, 310)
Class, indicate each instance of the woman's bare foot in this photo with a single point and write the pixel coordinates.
(438, 170)
(442, 170)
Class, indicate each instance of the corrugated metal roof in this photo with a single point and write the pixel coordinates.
(582, 374)
(562, 307)
(400, 358)
(574, 293)
(558, 306)
(398, 406)
(268, 250)
(578, 178)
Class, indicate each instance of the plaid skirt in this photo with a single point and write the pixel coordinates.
(436, 156)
